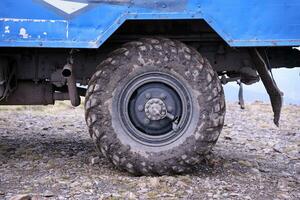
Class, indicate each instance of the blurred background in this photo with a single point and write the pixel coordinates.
(288, 80)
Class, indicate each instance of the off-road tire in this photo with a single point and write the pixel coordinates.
(163, 55)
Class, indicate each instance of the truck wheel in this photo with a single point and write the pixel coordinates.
(155, 106)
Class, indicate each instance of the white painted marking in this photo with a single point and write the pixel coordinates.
(30, 20)
(23, 33)
(6, 29)
(68, 7)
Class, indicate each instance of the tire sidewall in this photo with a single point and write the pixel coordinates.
(131, 61)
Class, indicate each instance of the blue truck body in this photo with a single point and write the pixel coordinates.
(88, 24)
(151, 71)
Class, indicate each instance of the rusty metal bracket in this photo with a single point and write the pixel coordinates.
(276, 96)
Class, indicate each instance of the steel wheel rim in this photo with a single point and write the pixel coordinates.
(124, 104)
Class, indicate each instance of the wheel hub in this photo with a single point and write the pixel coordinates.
(151, 106)
(155, 109)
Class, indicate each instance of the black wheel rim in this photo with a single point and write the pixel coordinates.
(155, 108)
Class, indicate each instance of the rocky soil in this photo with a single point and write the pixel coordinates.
(46, 153)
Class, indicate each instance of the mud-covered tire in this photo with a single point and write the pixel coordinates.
(155, 55)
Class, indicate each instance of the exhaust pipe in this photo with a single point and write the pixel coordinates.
(68, 74)
(67, 70)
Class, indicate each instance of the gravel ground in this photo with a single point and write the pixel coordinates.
(45, 152)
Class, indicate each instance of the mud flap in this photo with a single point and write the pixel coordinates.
(276, 96)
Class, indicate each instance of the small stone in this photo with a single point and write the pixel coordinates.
(227, 138)
(265, 170)
(233, 194)
(283, 185)
(154, 182)
(283, 196)
(74, 184)
(252, 149)
(2, 193)
(210, 194)
(190, 191)
(36, 197)
(285, 174)
(48, 193)
(87, 184)
(181, 184)
(21, 197)
(277, 148)
(245, 163)
(95, 160)
(142, 185)
(229, 188)
(225, 194)
(297, 168)
(229, 125)
(255, 171)
(130, 195)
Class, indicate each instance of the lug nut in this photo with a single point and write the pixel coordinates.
(146, 121)
(140, 108)
(148, 95)
(163, 96)
(170, 108)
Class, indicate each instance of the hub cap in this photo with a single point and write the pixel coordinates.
(155, 108)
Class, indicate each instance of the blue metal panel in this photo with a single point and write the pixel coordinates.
(37, 23)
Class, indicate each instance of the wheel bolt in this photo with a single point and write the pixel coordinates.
(163, 96)
(146, 121)
(140, 108)
(170, 108)
(148, 95)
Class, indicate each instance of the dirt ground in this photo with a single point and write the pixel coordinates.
(46, 153)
